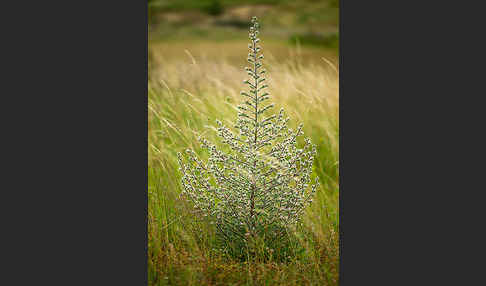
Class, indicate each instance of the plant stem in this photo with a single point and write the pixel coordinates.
(255, 77)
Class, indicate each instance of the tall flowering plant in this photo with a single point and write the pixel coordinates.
(263, 184)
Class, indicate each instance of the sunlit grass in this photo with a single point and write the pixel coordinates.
(192, 85)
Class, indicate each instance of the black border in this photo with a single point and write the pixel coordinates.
(76, 167)
(76, 89)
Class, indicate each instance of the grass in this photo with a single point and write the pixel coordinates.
(184, 5)
(191, 84)
(313, 22)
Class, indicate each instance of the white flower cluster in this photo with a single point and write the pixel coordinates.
(264, 182)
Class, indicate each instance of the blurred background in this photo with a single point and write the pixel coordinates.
(307, 26)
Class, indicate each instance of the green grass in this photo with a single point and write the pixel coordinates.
(281, 20)
(191, 85)
(184, 5)
(330, 41)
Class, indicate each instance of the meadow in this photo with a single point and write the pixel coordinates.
(195, 80)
